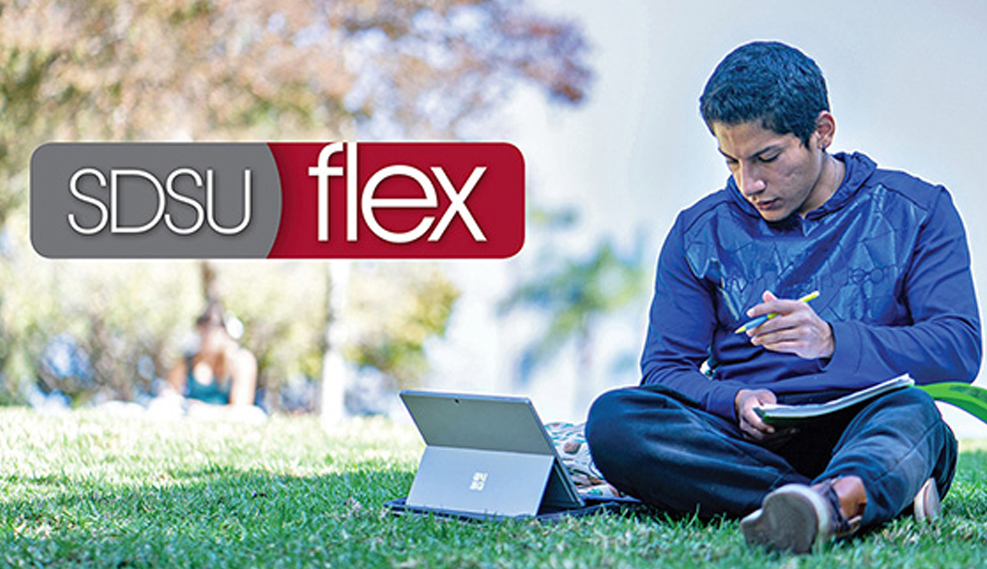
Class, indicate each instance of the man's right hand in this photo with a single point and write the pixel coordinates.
(748, 420)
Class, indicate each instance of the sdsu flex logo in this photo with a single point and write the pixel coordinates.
(278, 200)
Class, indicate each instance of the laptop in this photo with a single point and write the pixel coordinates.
(488, 457)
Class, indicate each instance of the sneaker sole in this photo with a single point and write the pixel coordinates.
(790, 519)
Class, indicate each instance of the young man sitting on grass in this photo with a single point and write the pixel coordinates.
(887, 253)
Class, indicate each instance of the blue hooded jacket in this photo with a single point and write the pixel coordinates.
(888, 254)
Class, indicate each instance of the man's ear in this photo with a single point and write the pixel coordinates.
(825, 129)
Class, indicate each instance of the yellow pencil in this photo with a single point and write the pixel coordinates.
(764, 318)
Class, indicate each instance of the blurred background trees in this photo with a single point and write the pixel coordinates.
(574, 294)
(140, 70)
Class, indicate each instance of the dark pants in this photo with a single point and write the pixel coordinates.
(674, 456)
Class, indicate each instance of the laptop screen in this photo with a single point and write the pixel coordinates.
(483, 422)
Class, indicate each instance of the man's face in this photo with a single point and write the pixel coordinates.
(776, 173)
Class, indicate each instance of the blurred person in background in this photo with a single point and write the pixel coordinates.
(219, 376)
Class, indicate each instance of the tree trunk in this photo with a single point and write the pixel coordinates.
(209, 292)
(585, 385)
(334, 368)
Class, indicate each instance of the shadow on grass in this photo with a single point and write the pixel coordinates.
(223, 517)
(220, 516)
(195, 518)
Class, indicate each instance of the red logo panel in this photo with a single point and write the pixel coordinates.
(399, 200)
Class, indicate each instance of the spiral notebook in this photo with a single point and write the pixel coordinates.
(783, 415)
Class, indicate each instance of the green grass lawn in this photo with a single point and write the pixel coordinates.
(89, 490)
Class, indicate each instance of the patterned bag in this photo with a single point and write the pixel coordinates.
(570, 444)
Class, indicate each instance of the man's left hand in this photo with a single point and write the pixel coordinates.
(796, 330)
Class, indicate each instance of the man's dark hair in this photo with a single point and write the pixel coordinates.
(769, 82)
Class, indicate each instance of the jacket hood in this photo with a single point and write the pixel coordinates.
(859, 168)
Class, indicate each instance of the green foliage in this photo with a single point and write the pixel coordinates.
(91, 490)
(115, 313)
(391, 336)
(282, 307)
(119, 312)
(148, 309)
(575, 293)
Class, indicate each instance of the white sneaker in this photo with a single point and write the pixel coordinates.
(927, 505)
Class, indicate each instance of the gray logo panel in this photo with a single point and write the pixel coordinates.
(154, 200)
